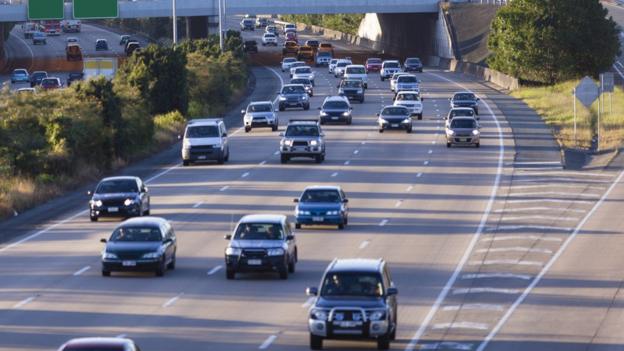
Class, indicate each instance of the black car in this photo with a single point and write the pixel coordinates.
(356, 301)
(131, 47)
(119, 197)
(261, 243)
(465, 99)
(101, 45)
(413, 64)
(352, 89)
(74, 76)
(250, 46)
(99, 343)
(140, 244)
(36, 78)
(336, 109)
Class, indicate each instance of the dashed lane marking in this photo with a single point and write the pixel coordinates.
(521, 237)
(245, 175)
(461, 325)
(346, 163)
(335, 174)
(224, 188)
(265, 345)
(308, 302)
(472, 276)
(383, 222)
(534, 218)
(531, 209)
(172, 301)
(214, 270)
(474, 306)
(198, 204)
(560, 201)
(398, 203)
(364, 244)
(409, 188)
(529, 227)
(465, 291)
(24, 302)
(556, 193)
(516, 249)
(82, 270)
(506, 262)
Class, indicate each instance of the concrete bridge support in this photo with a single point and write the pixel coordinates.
(199, 27)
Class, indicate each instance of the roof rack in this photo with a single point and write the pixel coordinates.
(315, 120)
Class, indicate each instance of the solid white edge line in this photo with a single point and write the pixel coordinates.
(475, 238)
(82, 270)
(547, 267)
(265, 345)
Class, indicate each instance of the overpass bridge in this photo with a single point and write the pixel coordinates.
(192, 8)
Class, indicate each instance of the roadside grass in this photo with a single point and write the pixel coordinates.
(555, 105)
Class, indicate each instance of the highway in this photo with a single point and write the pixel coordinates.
(617, 12)
(468, 234)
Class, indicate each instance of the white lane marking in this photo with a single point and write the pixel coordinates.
(346, 163)
(430, 151)
(262, 163)
(446, 345)
(81, 270)
(534, 218)
(538, 186)
(265, 345)
(356, 152)
(172, 300)
(560, 179)
(409, 188)
(433, 142)
(621, 73)
(245, 175)
(334, 174)
(554, 201)
(419, 174)
(198, 204)
(364, 244)
(383, 222)
(461, 325)
(496, 275)
(534, 163)
(516, 249)
(308, 302)
(214, 270)
(547, 267)
(398, 203)
(364, 143)
(279, 76)
(557, 193)
(475, 238)
(276, 152)
(25, 302)
(530, 209)
(531, 227)
(464, 291)
(505, 262)
(520, 237)
(162, 173)
(570, 173)
(121, 336)
(474, 306)
(426, 163)
(224, 188)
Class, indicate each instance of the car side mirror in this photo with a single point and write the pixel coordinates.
(422, 99)
(103, 241)
(227, 237)
(478, 99)
(312, 291)
(322, 134)
(145, 189)
(392, 291)
(224, 135)
(450, 99)
(345, 200)
(478, 118)
(295, 200)
(290, 237)
(167, 241)
(377, 114)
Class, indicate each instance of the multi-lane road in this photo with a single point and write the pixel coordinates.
(474, 239)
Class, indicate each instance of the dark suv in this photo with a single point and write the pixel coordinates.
(356, 301)
(336, 109)
(293, 95)
(465, 99)
(353, 89)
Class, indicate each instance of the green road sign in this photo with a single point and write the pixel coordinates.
(45, 9)
(92, 9)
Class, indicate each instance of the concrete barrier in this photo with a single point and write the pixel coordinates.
(501, 79)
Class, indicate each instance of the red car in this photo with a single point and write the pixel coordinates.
(373, 64)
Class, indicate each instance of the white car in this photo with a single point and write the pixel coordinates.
(332, 65)
(287, 62)
(394, 78)
(260, 114)
(290, 27)
(412, 101)
(388, 68)
(356, 72)
(205, 139)
(304, 72)
(295, 65)
(407, 82)
(269, 39)
(340, 67)
(460, 112)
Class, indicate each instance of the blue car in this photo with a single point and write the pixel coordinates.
(20, 75)
(322, 205)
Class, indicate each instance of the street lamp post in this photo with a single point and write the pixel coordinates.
(221, 19)
(175, 23)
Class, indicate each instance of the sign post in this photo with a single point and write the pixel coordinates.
(587, 92)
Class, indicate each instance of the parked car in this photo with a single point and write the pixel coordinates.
(394, 117)
(336, 109)
(20, 75)
(119, 197)
(260, 114)
(101, 45)
(36, 77)
(463, 131)
(108, 344)
(39, 38)
(204, 140)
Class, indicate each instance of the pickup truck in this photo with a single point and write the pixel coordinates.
(291, 48)
(305, 53)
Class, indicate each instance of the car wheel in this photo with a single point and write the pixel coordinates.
(147, 212)
(316, 342)
(93, 218)
(381, 130)
(318, 158)
(106, 273)
(306, 107)
(281, 108)
(361, 100)
(172, 264)
(448, 144)
(186, 162)
(366, 86)
(383, 343)
(247, 129)
(227, 155)
(409, 130)
(420, 116)
(478, 145)
(476, 111)
(160, 271)
(291, 266)
(274, 128)
(349, 121)
(221, 158)
(284, 158)
(382, 78)
(230, 274)
(341, 226)
(297, 225)
(283, 273)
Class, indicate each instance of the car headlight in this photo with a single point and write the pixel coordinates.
(129, 202)
(314, 143)
(360, 91)
(332, 213)
(275, 252)
(303, 213)
(377, 315)
(97, 203)
(450, 132)
(319, 314)
(155, 254)
(282, 98)
(324, 114)
(233, 251)
(475, 132)
(383, 120)
(407, 120)
(109, 256)
(287, 142)
(345, 114)
(304, 97)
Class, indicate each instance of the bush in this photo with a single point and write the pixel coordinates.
(346, 23)
(168, 126)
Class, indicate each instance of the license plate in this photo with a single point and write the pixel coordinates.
(317, 219)
(349, 324)
(334, 117)
(254, 262)
(394, 125)
(129, 263)
(202, 157)
(113, 209)
(464, 139)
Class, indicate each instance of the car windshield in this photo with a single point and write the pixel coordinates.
(407, 97)
(394, 111)
(303, 70)
(136, 234)
(117, 186)
(93, 348)
(302, 130)
(303, 81)
(407, 79)
(391, 65)
(293, 90)
(356, 70)
(20, 72)
(455, 113)
(202, 132)
(259, 231)
(269, 35)
(260, 108)
(313, 42)
(49, 82)
(324, 53)
(464, 123)
(374, 60)
(352, 84)
(320, 196)
(342, 64)
(464, 96)
(341, 105)
(352, 284)
(289, 60)
(333, 62)
(37, 75)
(413, 61)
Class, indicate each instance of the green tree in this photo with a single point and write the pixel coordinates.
(549, 41)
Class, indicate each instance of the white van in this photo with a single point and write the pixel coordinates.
(204, 140)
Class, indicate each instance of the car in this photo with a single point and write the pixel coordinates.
(269, 39)
(394, 117)
(406, 82)
(250, 46)
(322, 58)
(293, 95)
(394, 78)
(39, 38)
(51, 83)
(341, 65)
(332, 64)
(290, 48)
(336, 109)
(412, 101)
(108, 344)
(388, 68)
(73, 52)
(74, 77)
(124, 39)
(352, 89)
(302, 138)
(326, 47)
(146, 244)
(307, 83)
(36, 77)
(71, 26)
(465, 99)
(26, 91)
(260, 114)
(413, 64)
(119, 197)
(247, 24)
(262, 22)
(261, 242)
(373, 64)
(205, 139)
(304, 72)
(356, 72)
(463, 131)
(272, 29)
(460, 112)
(20, 75)
(101, 45)
(290, 27)
(71, 40)
(29, 28)
(305, 53)
(322, 205)
(250, 15)
(291, 36)
(287, 63)
(356, 300)
(295, 65)
(131, 47)
(314, 44)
